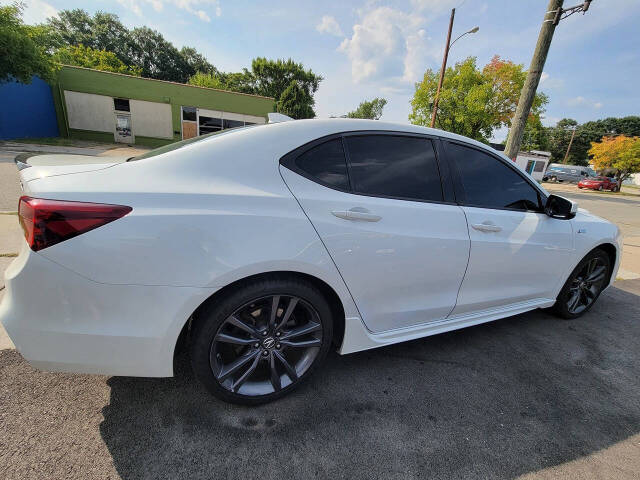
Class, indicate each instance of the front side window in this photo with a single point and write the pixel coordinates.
(489, 183)
(326, 163)
(394, 166)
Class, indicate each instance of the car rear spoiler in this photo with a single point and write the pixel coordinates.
(21, 164)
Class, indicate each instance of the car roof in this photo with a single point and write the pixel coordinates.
(327, 126)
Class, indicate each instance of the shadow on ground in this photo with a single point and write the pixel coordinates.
(493, 401)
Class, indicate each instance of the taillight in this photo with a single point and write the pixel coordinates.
(47, 222)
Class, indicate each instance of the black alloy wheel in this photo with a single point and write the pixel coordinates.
(261, 341)
(584, 285)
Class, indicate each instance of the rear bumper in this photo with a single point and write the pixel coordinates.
(60, 321)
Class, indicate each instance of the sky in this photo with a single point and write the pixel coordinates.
(368, 48)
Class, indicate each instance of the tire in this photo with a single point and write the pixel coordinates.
(244, 315)
(600, 188)
(614, 188)
(579, 283)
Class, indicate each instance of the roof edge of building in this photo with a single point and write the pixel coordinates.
(167, 81)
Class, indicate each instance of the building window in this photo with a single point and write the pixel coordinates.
(189, 114)
(121, 104)
(232, 123)
(539, 166)
(209, 124)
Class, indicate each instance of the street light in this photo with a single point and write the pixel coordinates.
(473, 30)
(444, 63)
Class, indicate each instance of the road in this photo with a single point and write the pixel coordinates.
(623, 210)
(530, 396)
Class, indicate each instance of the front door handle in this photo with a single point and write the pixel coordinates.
(356, 214)
(486, 227)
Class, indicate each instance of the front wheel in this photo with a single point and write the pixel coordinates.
(584, 285)
(261, 340)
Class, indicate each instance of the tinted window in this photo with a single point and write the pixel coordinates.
(326, 163)
(489, 183)
(394, 166)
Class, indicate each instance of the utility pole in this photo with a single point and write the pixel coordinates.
(552, 18)
(444, 63)
(566, 155)
(444, 67)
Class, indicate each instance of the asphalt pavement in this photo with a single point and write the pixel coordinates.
(529, 396)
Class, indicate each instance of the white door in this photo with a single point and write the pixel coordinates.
(401, 253)
(517, 252)
(124, 131)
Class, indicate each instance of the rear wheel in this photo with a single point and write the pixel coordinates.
(584, 285)
(261, 341)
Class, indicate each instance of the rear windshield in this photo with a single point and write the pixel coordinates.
(183, 143)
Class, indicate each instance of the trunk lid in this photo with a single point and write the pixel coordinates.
(42, 166)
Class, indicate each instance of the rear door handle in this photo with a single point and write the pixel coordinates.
(486, 227)
(357, 214)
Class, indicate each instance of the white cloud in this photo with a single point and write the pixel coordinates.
(37, 11)
(387, 44)
(583, 102)
(329, 25)
(133, 5)
(198, 8)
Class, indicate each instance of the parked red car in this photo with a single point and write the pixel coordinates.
(598, 183)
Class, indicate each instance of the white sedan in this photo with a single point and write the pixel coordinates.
(263, 246)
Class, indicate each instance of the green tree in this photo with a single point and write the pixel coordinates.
(234, 82)
(472, 102)
(141, 47)
(271, 78)
(156, 56)
(620, 154)
(208, 80)
(296, 102)
(586, 134)
(536, 136)
(369, 109)
(21, 54)
(82, 56)
(196, 62)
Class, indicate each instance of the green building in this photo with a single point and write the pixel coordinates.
(107, 107)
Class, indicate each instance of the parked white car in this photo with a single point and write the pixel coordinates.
(263, 246)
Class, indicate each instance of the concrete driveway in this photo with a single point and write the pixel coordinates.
(529, 396)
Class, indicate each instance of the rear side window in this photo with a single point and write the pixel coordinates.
(489, 183)
(394, 166)
(326, 163)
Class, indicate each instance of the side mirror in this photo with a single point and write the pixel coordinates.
(560, 207)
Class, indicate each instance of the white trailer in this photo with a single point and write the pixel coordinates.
(534, 162)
